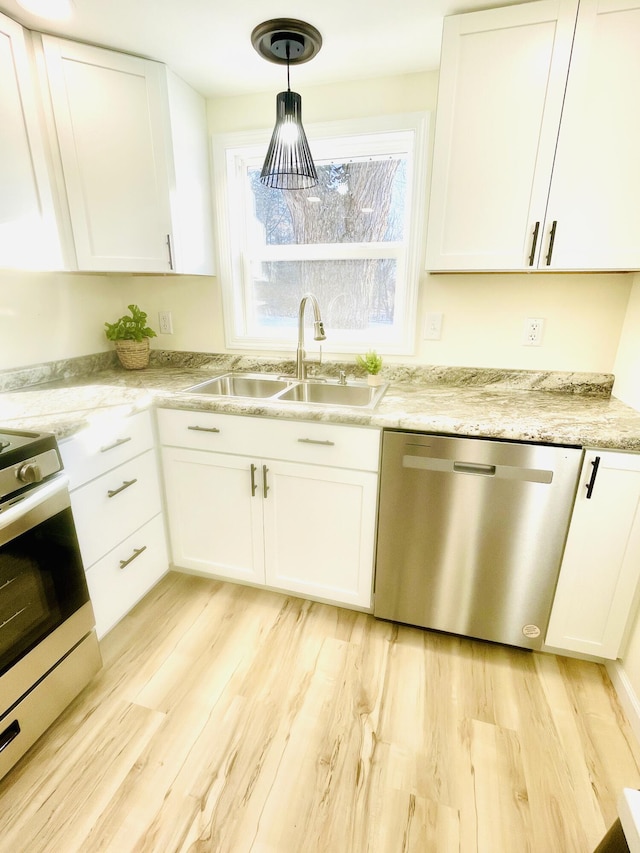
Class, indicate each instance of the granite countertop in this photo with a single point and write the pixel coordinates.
(549, 407)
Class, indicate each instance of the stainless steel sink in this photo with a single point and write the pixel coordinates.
(281, 389)
(241, 385)
(330, 394)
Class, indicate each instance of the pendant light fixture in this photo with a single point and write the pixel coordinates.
(288, 164)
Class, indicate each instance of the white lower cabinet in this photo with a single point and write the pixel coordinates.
(597, 587)
(299, 526)
(117, 508)
(215, 524)
(319, 531)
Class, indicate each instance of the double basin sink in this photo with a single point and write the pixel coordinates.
(272, 387)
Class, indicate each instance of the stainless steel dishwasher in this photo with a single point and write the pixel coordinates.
(471, 533)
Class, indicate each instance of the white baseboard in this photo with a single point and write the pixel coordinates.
(627, 695)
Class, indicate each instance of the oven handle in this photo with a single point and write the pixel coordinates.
(33, 499)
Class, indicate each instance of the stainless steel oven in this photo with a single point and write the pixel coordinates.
(48, 647)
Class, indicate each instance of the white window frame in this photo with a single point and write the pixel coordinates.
(232, 151)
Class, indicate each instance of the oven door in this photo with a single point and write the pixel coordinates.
(44, 602)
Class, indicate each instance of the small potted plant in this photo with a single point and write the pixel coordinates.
(131, 337)
(372, 363)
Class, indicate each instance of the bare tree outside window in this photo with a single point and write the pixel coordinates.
(361, 202)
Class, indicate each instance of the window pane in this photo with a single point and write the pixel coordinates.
(355, 202)
(354, 295)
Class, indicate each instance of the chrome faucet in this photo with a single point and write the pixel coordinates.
(318, 327)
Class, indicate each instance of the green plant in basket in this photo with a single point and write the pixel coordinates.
(370, 361)
(130, 328)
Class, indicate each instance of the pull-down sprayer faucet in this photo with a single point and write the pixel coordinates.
(318, 328)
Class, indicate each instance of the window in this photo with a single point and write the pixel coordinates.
(352, 240)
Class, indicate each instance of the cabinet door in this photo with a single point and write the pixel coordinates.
(110, 114)
(502, 79)
(319, 530)
(28, 234)
(601, 564)
(215, 521)
(596, 176)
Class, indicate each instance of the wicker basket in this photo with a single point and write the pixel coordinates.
(134, 355)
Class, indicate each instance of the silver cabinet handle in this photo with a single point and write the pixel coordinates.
(115, 444)
(113, 492)
(254, 485)
(170, 252)
(265, 487)
(316, 441)
(134, 556)
(204, 429)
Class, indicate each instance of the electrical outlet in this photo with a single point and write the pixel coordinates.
(433, 326)
(165, 321)
(533, 328)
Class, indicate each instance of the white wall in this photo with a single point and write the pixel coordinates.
(627, 364)
(51, 316)
(483, 320)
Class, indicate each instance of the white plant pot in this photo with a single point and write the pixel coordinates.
(374, 379)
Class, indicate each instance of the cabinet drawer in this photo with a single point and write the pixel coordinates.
(321, 444)
(104, 446)
(115, 588)
(209, 431)
(297, 441)
(110, 508)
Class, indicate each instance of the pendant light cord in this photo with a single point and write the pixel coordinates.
(288, 49)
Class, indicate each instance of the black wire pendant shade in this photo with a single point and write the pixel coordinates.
(288, 164)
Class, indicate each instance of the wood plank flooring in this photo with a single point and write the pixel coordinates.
(231, 719)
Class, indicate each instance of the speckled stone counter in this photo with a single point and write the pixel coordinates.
(552, 407)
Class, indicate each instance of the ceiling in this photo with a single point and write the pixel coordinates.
(207, 42)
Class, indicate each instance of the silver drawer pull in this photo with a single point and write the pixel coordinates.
(115, 444)
(315, 441)
(204, 429)
(112, 492)
(136, 553)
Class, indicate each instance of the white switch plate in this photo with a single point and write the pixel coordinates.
(433, 326)
(533, 329)
(165, 321)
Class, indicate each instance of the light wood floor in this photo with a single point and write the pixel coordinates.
(233, 719)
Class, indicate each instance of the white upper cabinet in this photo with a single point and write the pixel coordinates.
(132, 143)
(28, 233)
(524, 176)
(596, 176)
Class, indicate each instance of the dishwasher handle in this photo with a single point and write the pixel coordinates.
(500, 472)
(474, 468)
